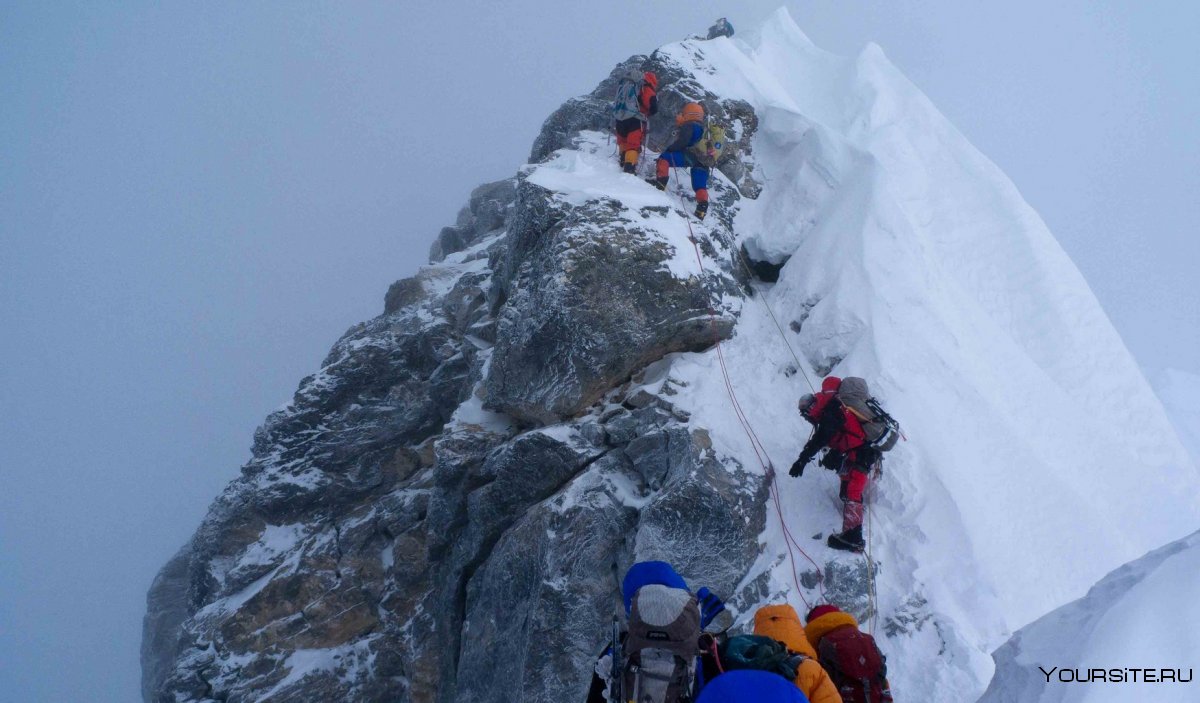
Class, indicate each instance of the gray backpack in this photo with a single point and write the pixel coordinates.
(662, 646)
(625, 103)
(881, 431)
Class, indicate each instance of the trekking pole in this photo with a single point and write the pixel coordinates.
(617, 683)
(645, 137)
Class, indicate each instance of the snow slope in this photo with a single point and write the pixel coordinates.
(1180, 394)
(1038, 457)
(1142, 615)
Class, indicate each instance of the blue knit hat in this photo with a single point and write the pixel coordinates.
(645, 573)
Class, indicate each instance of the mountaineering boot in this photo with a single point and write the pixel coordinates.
(629, 162)
(660, 183)
(848, 541)
(852, 516)
(701, 209)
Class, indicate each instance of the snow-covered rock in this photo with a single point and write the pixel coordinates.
(1133, 637)
(486, 213)
(444, 510)
(601, 280)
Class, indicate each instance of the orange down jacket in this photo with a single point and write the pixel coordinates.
(780, 622)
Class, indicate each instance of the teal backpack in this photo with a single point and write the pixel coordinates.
(760, 653)
(625, 103)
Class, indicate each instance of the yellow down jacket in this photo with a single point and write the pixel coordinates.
(780, 622)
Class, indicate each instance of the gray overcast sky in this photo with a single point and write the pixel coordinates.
(197, 199)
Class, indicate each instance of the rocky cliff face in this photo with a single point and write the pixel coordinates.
(444, 510)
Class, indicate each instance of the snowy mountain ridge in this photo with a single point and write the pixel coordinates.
(543, 405)
(1133, 636)
(932, 278)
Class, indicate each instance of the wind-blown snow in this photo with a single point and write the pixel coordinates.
(1038, 457)
(1144, 615)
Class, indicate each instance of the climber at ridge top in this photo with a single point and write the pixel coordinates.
(635, 103)
(694, 145)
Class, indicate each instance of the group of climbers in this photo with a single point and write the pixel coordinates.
(677, 648)
(695, 144)
(848, 423)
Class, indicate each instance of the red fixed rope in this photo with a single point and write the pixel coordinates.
(760, 451)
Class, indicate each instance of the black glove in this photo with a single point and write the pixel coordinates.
(797, 469)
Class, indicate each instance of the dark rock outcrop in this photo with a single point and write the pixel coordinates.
(290, 557)
(590, 301)
(486, 213)
(400, 534)
(720, 28)
(591, 112)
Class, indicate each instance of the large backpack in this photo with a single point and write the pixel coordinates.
(880, 430)
(662, 646)
(708, 150)
(625, 102)
(856, 665)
